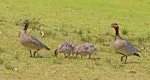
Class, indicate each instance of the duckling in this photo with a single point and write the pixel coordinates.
(65, 47)
(85, 49)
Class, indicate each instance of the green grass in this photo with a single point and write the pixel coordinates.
(77, 21)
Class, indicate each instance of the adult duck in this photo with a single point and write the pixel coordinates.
(30, 42)
(123, 46)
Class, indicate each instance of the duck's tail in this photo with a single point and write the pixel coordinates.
(47, 48)
(137, 54)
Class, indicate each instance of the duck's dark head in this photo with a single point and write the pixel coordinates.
(24, 22)
(114, 25)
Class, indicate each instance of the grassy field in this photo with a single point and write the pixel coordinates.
(77, 21)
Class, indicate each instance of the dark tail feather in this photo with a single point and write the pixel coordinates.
(47, 48)
(136, 54)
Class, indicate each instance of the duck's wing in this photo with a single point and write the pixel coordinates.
(130, 47)
(36, 42)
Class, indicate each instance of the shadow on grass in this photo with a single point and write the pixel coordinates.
(41, 56)
(133, 63)
(95, 58)
(86, 58)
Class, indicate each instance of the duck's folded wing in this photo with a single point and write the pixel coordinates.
(130, 47)
(37, 42)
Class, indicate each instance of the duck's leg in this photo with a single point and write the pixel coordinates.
(30, 53)
(65, 55)
(125, 59)
(89, 56)
(68, 54)
(122, 58)
(76, 55)
(81, 55)
(35, 52)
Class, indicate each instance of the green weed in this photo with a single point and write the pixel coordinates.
(124, 31)
(1, 60)
(8, 66)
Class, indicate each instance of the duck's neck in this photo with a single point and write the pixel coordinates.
(25, 28)
(117, 33)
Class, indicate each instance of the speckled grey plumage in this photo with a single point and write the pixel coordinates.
(123, 46)
(30, 42)
(65, 47)
(85, 49)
